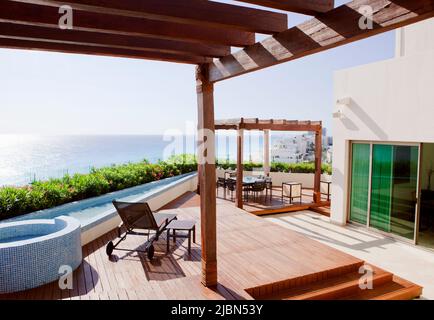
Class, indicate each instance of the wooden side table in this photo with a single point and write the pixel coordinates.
(181, 225)
(295, 191)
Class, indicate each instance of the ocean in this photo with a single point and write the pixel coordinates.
(25, 158)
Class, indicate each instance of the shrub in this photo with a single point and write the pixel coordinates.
(308, 167)
(53, 192)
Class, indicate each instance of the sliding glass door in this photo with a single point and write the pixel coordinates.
(381, 187)
(361, 153)
(384, 194)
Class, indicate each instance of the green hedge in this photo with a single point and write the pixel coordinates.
(47, 194)
(307, 167)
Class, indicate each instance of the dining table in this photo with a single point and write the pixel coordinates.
(250, 180)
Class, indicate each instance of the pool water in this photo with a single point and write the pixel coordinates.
(95, 209)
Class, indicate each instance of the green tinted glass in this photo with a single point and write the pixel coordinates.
(359, 182)
(394, 186)
(381, 187)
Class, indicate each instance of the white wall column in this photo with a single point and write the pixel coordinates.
(266, 152)
(240, 168)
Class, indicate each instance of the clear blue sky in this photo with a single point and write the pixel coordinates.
(53, 93)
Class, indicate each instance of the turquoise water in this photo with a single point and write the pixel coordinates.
(93, 210)
(24, 158)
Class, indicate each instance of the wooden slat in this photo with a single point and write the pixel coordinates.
(101, 51)
(331, 29)
(275, 124)
(195, 12)
(311, 7)
(280, 127)
(32, 14)
(37, 33)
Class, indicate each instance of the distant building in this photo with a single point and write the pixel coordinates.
(298, 148)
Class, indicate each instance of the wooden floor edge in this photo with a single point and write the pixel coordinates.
(408, 293)
(293, 208)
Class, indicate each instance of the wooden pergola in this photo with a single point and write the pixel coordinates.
(272, 125)
(201, 32)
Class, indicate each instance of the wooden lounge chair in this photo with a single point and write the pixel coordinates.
(139, 216)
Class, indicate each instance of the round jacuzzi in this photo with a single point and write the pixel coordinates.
(36, 252)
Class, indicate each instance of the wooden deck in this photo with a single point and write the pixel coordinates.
(256, 258)
(265, 205)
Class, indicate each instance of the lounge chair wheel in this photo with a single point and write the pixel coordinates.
(109, 248)
(150, 252)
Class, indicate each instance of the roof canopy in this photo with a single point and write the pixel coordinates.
(271, 124)
(199, 31)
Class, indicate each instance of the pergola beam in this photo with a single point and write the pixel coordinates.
(328, 30)
(310, 7)
(195, 12)
(44, 34)
(48, 16)
(275, 125)
(100, 51)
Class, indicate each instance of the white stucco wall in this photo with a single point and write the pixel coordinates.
(390, 101)
(415, 38)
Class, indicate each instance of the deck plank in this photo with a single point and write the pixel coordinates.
(252, 252)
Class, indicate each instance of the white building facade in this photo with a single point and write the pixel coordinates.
(383, 141)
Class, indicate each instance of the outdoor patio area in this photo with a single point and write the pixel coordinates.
(238, 253)
(264, 204)
(257, 259)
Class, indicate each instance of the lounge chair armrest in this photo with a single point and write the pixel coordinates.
(163, 224)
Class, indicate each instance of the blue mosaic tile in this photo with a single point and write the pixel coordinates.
(32, 251)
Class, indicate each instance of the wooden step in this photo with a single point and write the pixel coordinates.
(279, 290)
(343, 289)
(407, 291)
(345, 286)
(388, 291)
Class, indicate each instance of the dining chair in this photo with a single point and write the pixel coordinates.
(258, 188)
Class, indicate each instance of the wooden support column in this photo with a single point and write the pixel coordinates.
(318, 163)
(207, 175)
(240, 168)
(267, 152)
